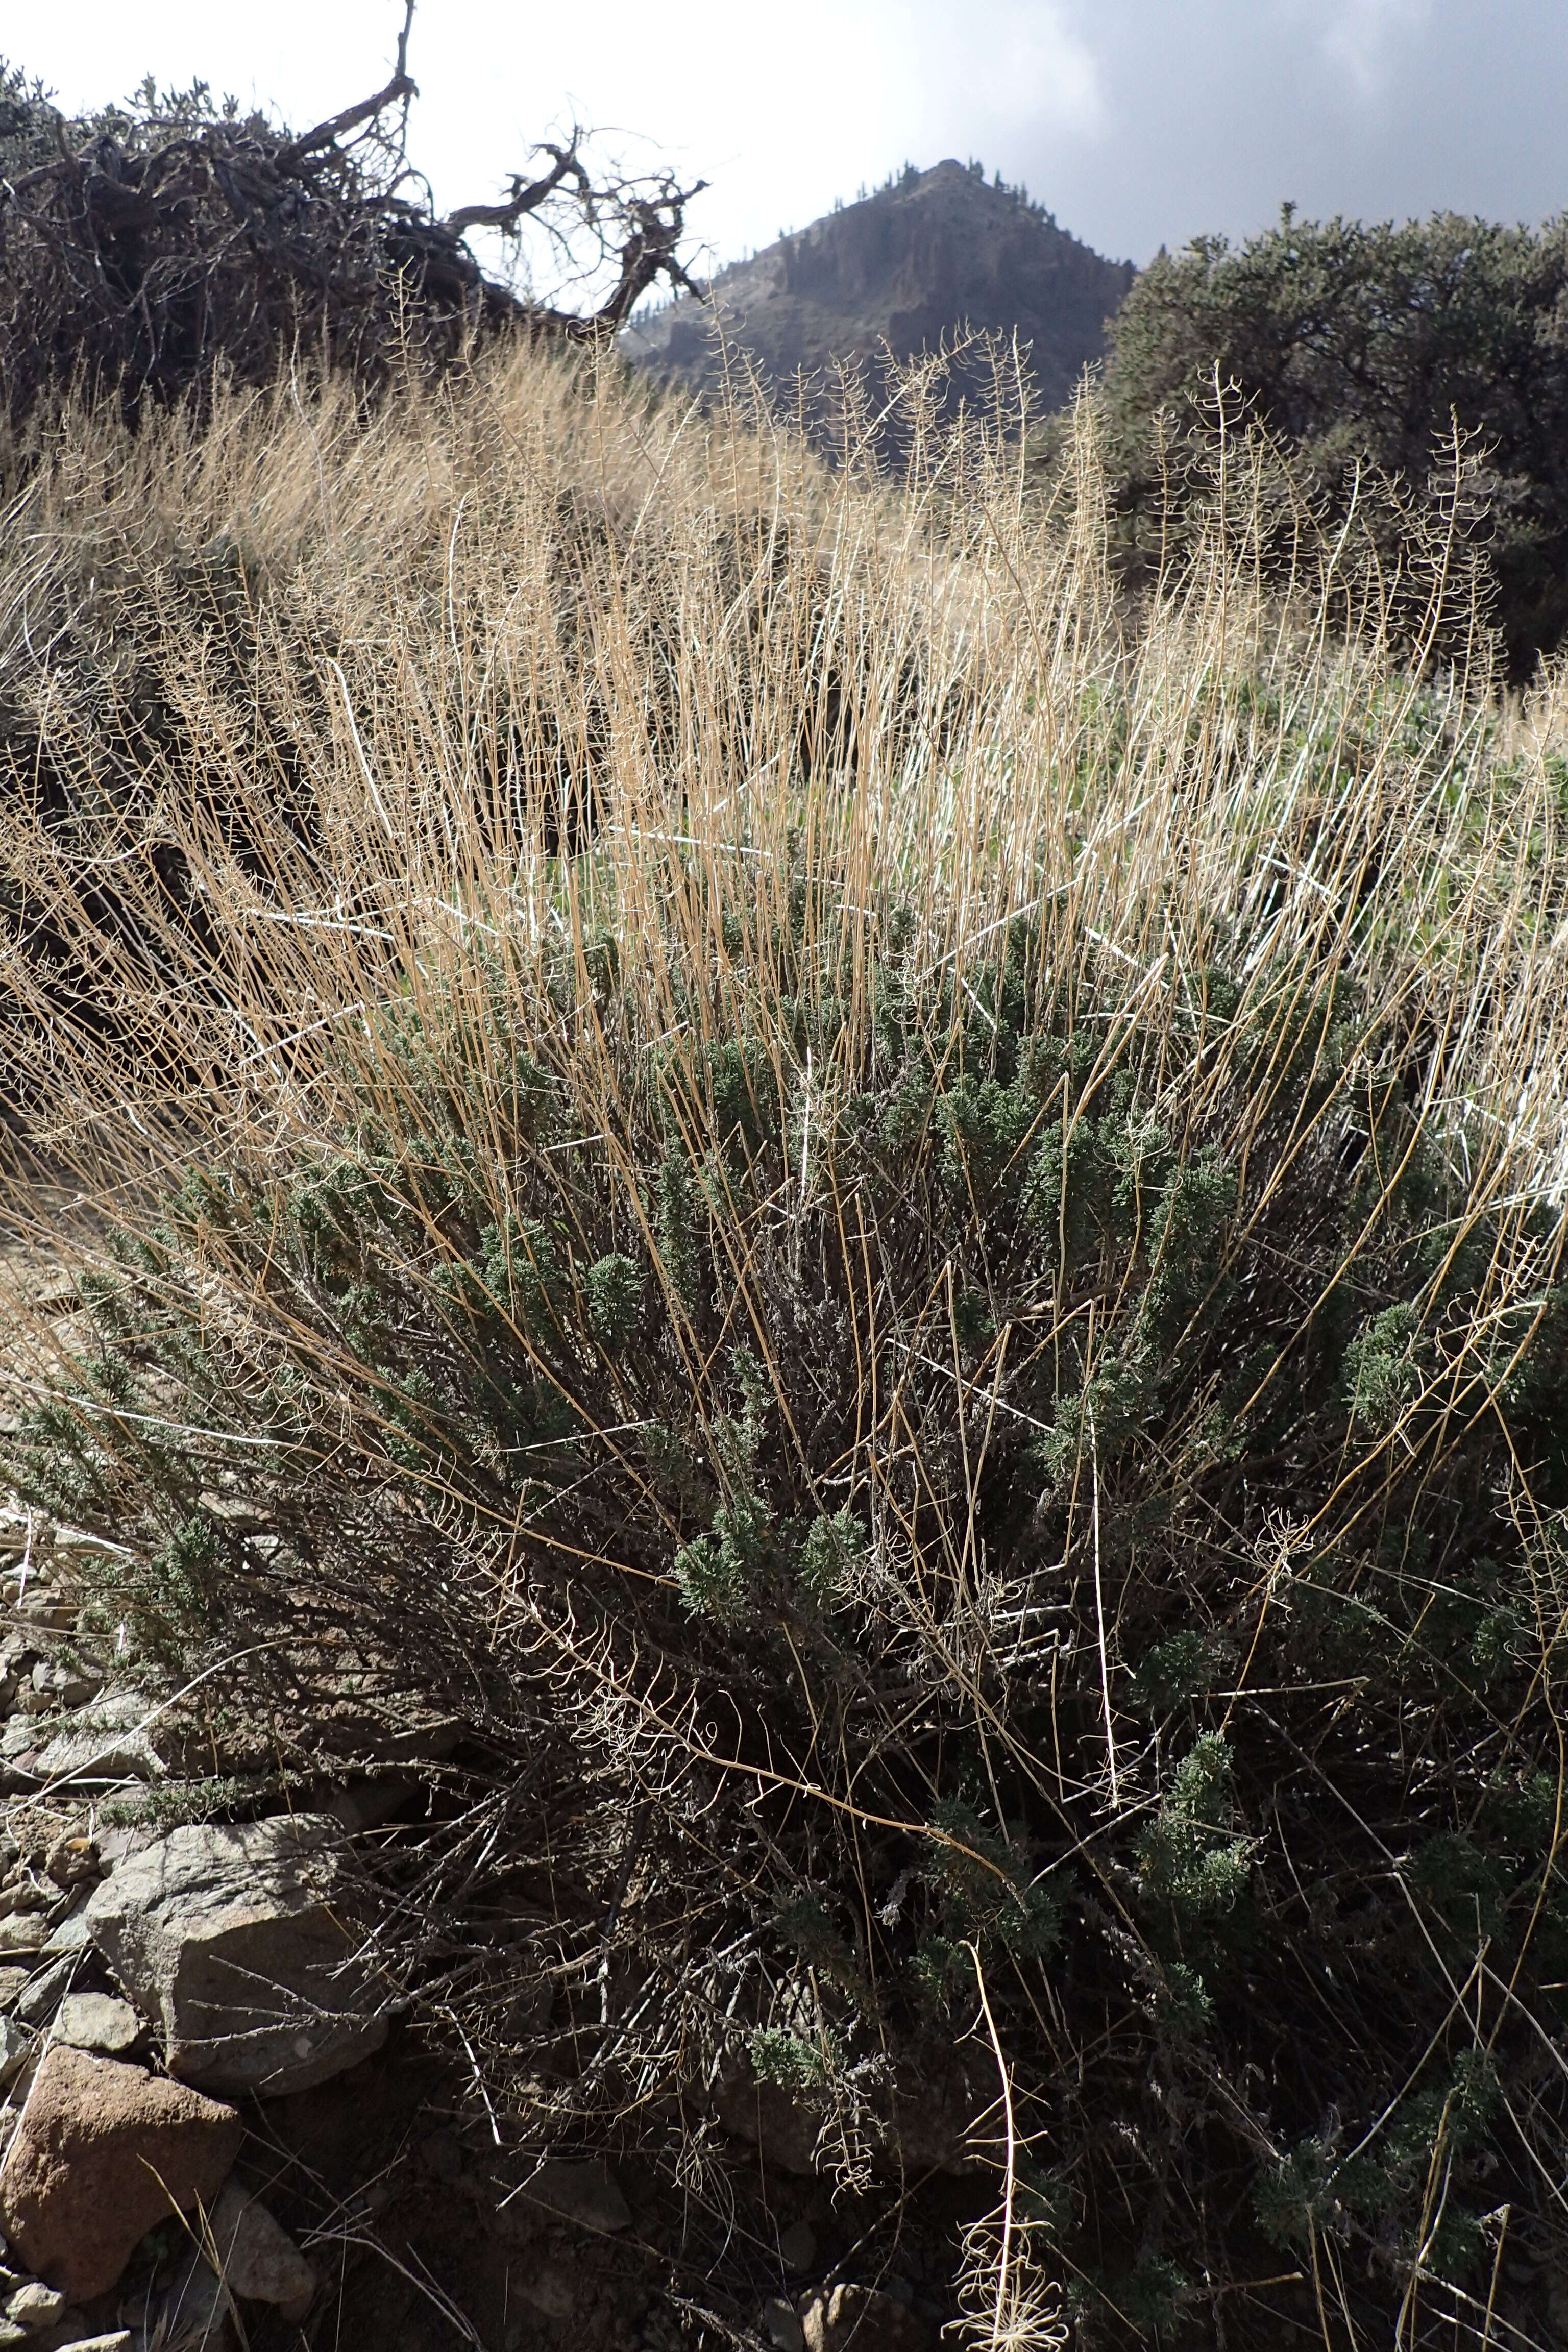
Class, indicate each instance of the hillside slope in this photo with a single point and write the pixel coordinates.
(932, 252)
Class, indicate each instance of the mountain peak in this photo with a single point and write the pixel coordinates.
(927, 254)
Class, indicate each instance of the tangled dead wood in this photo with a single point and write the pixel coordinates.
(153, 248)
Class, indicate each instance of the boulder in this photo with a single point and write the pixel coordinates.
(234, 1940)
(770, 2119)
(257, 2258)
(55, 1613)
(923, 2128)
(68, 1934)
(73, 1861)
(553, 2290)
(102, 2153)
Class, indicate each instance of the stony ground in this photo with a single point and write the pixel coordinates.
(184, 2025)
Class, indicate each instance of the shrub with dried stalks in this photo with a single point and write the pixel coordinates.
(900, 1227)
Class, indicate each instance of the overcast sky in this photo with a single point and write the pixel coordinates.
(1138, 121)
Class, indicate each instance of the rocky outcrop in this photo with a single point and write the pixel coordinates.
(234, 1940)
(102, 2153)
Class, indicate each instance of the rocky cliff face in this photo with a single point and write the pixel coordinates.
(937, 251)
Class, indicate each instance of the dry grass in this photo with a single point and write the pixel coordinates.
(452, 855)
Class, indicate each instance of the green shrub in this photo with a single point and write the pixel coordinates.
(970, 1422)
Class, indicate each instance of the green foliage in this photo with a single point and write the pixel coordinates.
(613, 1289)
(1360, 342)
(1122, 1382)
(988, 1899)
(1193, 1867)
(1436, 2127)
(1152, 2294)
(829, 1555)
(719, 1572)
(804, 1927)
(795, 2065)
(1382, 1375)
(675, 1225)
(1174, 1671)
(168, 1805)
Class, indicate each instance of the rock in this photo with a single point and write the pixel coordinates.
(101, 2154)
(96, 2021)
(797, 2246)
(15, 2047)
(13, 1982)
(71, 2338)
(35, 2307)
(25, 1894)
(551, 2290)
(64, 1686)
(233, 1939)
(194, 2313)
(69, 1933)
(876, 2322)
(72, 1861)
(55, 1611)
(17, 1738)
(587, 2194)
(108, 1741)
(44, 1992)
(780, 2325)
(23, 1931)
(924, 2126)
(257, 2258)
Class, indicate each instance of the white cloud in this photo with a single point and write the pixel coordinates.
(1026, 63)
(1363, 39)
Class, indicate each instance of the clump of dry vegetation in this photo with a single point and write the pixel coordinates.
(902, 1227)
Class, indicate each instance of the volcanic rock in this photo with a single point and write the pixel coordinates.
(101, 2154)
(233, 1939)
(257, 2258)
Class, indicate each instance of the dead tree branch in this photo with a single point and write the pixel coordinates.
(153, 248)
